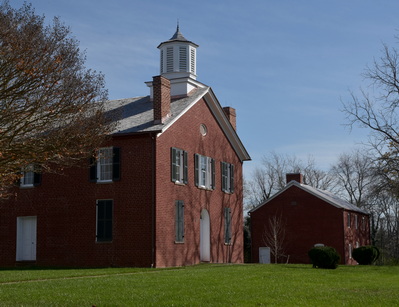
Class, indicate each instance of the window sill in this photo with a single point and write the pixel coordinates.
(179, 183)
(27, 186)
(205, 188)
(179, 242)
(228, 244)
(104, 181)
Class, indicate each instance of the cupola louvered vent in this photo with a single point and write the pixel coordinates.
(192, 60)
(162, 69)
(182, 58)
(169, 59)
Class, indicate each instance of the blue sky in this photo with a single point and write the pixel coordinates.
(284, 65)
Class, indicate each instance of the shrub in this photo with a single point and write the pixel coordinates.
(324, 257)
(366, 255)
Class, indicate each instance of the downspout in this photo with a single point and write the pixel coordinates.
(153, 199)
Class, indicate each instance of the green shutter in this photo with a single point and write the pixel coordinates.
(196, 173)
(179, 221)
(185, 167)
(93, 170)
(116, 164)
(104, 220)
(227, 225)
(213, 174)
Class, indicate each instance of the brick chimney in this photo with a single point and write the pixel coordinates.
(161, 102)
(294, 176)
(231, 115)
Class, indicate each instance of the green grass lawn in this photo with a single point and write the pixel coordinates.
(203, 285)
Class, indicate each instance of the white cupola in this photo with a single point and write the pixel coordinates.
(178, 64)
(178, 57)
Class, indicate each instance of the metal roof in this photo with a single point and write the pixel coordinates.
(322, 194)
(135, 115)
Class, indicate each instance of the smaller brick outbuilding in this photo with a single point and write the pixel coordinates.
(309, 217)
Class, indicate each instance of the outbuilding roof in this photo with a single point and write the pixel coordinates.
(322, 194)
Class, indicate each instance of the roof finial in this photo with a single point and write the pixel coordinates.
(177, 25)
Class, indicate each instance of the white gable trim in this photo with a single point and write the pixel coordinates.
(221, 118)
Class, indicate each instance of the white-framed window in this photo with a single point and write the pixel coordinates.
(348, 220)
(227, 171)
(29, 178)
(204, 172)
(356, 222)
(179, 170)
(179, 222)
(350, 251)
(104, 164)
(106, 167)
(227, 225)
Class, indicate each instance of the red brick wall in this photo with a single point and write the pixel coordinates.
(309, 221)
(357, 234)
(65, 207)
(216, 146)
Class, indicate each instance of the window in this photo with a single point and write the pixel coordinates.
(363, 223)
(227, 225)
(350, 251)
(204, 172)
(356, 225)
(179, 171)
(349, 220)
(179, 221)
(29, 177)
(227, 177)
(107, 166)
(104, 220)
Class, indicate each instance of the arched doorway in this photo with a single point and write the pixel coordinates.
(205, 236)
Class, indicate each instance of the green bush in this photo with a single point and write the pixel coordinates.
(366, 255)
(324, 257)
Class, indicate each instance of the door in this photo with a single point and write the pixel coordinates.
(205, 241)
(264, 254)
(26, 238)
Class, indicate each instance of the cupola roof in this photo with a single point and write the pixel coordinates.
(178, 37)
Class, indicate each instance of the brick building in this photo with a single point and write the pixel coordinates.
(309, 216)
(165, 191)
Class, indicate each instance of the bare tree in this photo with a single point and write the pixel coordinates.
(274, 237)
(51, 106)
(355, 175)
(377, 109)
(270, 177)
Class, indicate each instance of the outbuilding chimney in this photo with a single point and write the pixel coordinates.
(231, 115)
(161, 101)
(294, 176)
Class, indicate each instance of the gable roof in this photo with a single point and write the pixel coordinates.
(322, 194)
(135, 115)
